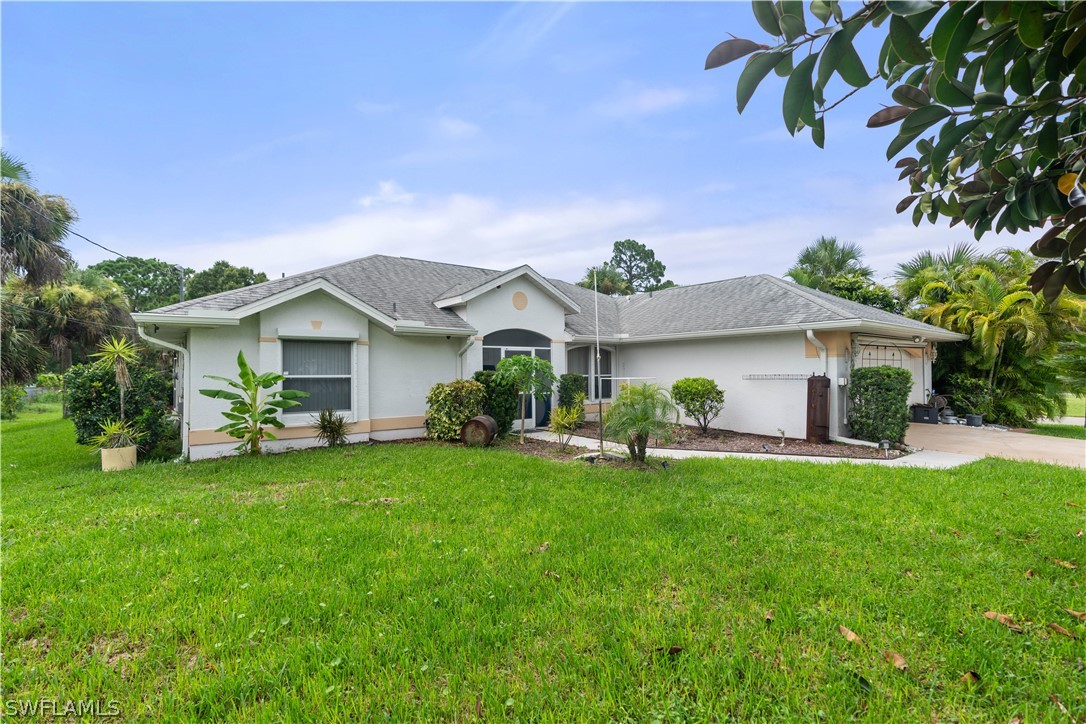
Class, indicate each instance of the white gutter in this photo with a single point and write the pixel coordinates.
(186, 375)
(460, 355)
(822, 354)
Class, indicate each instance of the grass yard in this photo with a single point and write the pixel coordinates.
(1074, 432)
(429, 582)
(1076, 406)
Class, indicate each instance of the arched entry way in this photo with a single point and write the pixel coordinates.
(511, 343)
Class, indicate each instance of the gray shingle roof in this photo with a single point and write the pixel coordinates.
(414, 285)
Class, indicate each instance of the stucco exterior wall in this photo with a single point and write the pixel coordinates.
(757, 406)
(402, 371)
(214, 351)
(495, 310)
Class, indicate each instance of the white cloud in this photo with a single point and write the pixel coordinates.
(519, 31)
(455, 129)
(632, 100)
(388, 192)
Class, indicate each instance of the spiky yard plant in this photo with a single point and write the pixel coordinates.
(118, 352)
(639, 413)
(332, 427)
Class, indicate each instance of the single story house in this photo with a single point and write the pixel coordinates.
(370, 337)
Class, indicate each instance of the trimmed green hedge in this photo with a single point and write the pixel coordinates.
(879, 403)
(569, 386)
(501, 400)
(451, 405)
(93, 398)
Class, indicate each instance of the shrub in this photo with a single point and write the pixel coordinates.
(564, 420)
(451, 405)
(878, 408)
(971, 395)
(570, 385)
(639, 413)
(11, 401)
(49, 381)
(115, 434)
(332, 427)
(93, 398)
(253, 411)
(699, 398)
(501, 400)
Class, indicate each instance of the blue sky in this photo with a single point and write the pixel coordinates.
(287, 136)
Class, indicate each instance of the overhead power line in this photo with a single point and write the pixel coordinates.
(87, 322)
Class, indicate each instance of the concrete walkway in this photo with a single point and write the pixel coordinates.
(984, 441)
(922, 459)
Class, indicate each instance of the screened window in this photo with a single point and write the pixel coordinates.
(323, 369)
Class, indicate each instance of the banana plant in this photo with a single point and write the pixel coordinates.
(252, 411)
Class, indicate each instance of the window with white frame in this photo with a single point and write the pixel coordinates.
(323, 369)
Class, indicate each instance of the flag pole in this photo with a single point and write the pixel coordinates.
(599, 397)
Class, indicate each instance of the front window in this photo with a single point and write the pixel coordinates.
(323, 369)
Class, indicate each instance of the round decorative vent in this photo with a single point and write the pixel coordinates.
(520, 300)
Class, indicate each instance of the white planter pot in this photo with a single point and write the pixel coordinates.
(118, 458)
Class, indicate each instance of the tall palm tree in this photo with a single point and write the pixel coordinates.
(12, 169)
(827, 258)
(34, 226)
(993, 311)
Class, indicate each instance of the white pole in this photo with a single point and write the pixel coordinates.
(599, 413)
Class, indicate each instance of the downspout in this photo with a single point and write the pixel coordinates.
(185, 377)
(822, 355)
(460, 355)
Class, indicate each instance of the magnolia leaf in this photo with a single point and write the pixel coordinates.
(1031, 25)
(799, 95)
(906, 41)
(851, 636)
(1061, 630)
(754, 73)
(886, 116)
(896, 659)
(923, 118)
(909, 7)
(971, 677)
(960, 39)
(1005, 620)
(767, 16)
(1021, 76)
(792, 26)
(989, 99)
(728, 51)
(1050, 292)
(944, 29)
(911, 96)
(822, 10)
(1080, 615)
(818, 132)
(1064, 564)
(906, 202)
(769, 616)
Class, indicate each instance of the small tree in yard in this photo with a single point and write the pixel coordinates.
(252, 412)
(532, 376)
(639, 413)
(878, 403)
(699, 398)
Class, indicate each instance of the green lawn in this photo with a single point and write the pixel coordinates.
(1075, 432)
(427, 582)
(1076, 406)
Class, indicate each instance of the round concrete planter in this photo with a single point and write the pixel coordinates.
(974, 420)
(118, 458)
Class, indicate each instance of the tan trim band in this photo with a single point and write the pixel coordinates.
(383, 424)
(267, 339)
(479, 339)
(558, 341)
(362, 341)
(302, 432)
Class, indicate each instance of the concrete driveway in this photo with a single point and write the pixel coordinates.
(997, 443)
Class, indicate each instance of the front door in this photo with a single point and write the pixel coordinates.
(529, 403)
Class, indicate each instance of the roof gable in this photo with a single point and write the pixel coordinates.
(463, 293)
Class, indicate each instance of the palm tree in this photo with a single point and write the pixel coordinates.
(12, 169)
(993, 311)
(827, 258)
(638, 414)
(34, 226)
(608, 280)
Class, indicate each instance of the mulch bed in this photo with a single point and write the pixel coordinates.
(730, 441)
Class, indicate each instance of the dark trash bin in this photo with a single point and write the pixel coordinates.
(925, 414)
